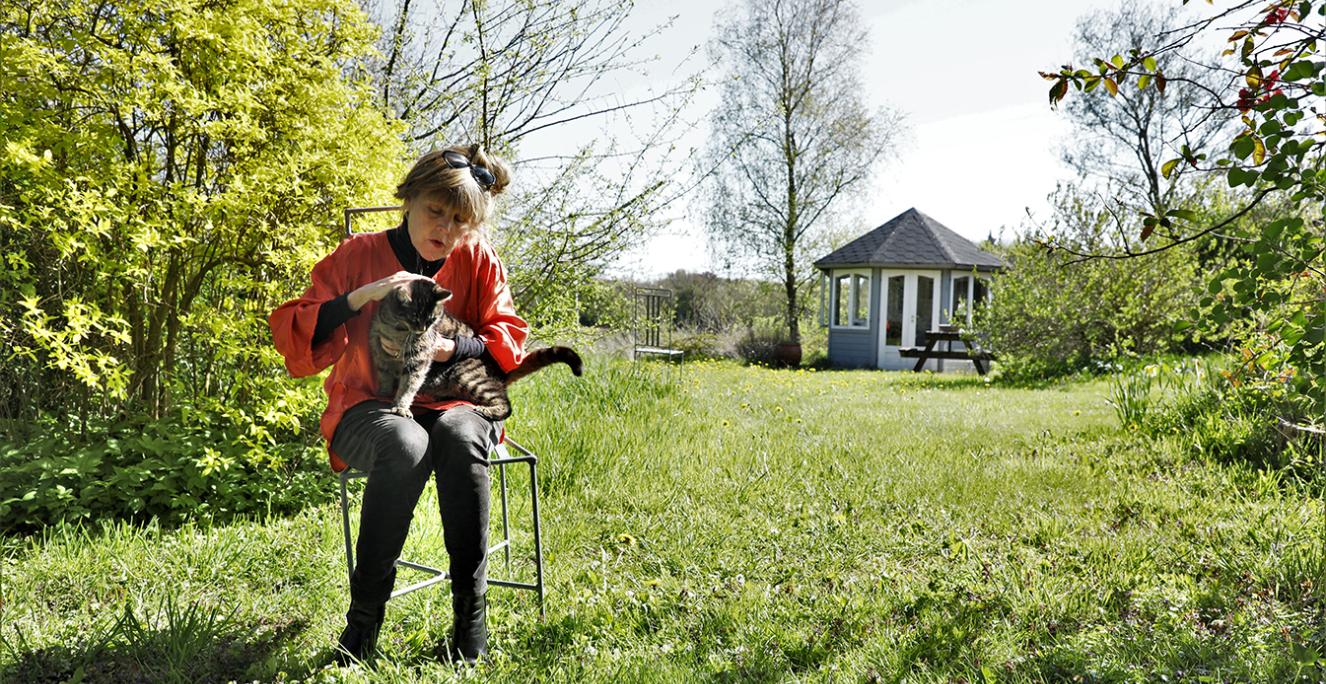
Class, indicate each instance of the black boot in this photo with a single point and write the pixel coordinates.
(469, 631)
(360, 636)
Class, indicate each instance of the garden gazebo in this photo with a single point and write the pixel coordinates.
(888, 288)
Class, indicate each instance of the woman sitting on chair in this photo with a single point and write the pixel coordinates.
(447, 196)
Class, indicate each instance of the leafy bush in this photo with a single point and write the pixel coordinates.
(699, 344)
(1269, 159)
(156, 209)
(1228, 412)
(1053, 315)
(206, 461)
(760, 341)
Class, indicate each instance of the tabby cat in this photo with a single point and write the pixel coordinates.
(413, 319)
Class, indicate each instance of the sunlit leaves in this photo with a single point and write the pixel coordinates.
(1280, 288)
(166, 156)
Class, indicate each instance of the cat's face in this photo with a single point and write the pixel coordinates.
(417, 305)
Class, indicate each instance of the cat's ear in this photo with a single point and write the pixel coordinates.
(443, 294)
(401, 294)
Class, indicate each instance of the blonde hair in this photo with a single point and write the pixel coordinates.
(432, 177)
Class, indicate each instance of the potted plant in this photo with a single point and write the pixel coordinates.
(788, 354)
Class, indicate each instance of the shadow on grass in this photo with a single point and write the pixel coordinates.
(190, 644)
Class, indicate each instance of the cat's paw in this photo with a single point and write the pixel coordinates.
(403, 411)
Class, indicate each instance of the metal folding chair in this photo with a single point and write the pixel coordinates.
(652, 324)
(503, 459)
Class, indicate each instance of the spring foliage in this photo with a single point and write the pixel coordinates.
(1054, 317)
(1280, 285)
(170, 169)
(169, 172)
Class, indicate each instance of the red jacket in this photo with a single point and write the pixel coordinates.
(480, 297)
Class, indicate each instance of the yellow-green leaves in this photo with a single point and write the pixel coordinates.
(162, 157)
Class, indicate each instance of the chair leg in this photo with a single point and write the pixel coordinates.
(506, 530)
(345, 529)
(504, 458)
(538, 533)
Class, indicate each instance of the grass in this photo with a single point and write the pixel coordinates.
(717, 522)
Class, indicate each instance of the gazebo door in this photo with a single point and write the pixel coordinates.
(909, 307)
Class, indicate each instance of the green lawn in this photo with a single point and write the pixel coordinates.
(730, 523)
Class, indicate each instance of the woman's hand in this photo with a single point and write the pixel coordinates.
(378, 289)
(445, 350)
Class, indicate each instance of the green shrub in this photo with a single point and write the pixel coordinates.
(207, 462)
(1055, 314)
(169, 174)
(1222, 411)
(699, 344)
(1054, 318)
(759, 343)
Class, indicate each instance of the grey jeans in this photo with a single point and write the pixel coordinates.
(399, 454)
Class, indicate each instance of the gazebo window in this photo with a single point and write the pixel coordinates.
(982, 291)
(925, 302)
(893, 319)
(968, 293)
(851, 299)
(961, 295)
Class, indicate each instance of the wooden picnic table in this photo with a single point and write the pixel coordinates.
(979, 357)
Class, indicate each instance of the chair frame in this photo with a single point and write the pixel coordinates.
(652, 311)
(503, 459)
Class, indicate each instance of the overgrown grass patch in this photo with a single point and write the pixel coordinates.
(733, 523)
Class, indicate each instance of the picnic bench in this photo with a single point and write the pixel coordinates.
(973, 352)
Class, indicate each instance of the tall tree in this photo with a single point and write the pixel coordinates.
(507, 72)
(792, 139)
(1120, 143)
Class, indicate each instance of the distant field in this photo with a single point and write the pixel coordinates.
(742, 524)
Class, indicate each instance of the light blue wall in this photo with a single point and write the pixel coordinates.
(857, 348)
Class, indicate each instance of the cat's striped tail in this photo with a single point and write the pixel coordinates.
(542, 358)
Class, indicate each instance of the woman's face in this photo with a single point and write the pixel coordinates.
(435, 228)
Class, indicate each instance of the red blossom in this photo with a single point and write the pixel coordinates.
(1245, 100)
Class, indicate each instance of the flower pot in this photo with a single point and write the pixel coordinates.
(788, 354)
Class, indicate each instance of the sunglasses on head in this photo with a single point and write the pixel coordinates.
(482, 175)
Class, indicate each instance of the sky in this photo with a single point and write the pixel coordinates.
(982, 146)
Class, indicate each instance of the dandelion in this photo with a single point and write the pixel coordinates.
(626, 539)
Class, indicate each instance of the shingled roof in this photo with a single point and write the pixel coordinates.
(912, 239)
